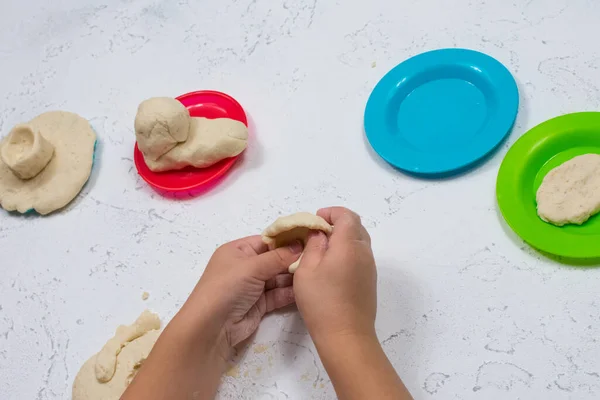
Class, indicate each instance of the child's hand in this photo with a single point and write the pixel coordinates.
(242, 281)
(336, 283)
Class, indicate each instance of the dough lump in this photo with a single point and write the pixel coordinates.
(106, 360)
(206, 141)
(293, 227)
(210, 141)
(26, 152)
(160, 123)
(570, 193)
(45, 162)
(130, 357)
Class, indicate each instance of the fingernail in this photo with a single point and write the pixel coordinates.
(296, 247)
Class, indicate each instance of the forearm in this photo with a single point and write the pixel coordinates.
(359, 369)
(186, 363)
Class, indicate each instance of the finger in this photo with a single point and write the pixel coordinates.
(346, 223)
(278, 298)
(315, 249)
(366, 235)
(282, 280)
(274, 262)
(251, 245)
(332, 214)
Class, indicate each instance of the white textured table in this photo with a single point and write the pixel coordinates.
(466, 310)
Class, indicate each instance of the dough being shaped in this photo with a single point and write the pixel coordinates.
(286, 230)
(570, 193)
(53, 185)
(87, 387)
(160, 123)
(106, 360)
(209, 141)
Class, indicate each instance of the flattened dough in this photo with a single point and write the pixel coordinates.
(570, 193)
(297, 226)
(65, 174)
(106, 361)
(87, 387)
(210, 141)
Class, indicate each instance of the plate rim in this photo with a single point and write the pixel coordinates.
(507, 181)
(380, 97)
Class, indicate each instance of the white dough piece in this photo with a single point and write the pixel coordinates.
(106, 361)
(209, 141)
(26, 152)
(160, 123)
(293, 227)
(87, 387)
(130, 357)
(61, 178)
(570, 193)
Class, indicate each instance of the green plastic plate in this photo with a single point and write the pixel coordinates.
(527, 162)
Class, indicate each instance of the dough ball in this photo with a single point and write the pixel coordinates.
(160, 123)
(286, 230)
(209, 141)
(25, 151)
(570, 193)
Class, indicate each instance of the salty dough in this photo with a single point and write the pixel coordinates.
(170, 139)
(209, 141)
(160, 123)
(297, 226)
(106, 361)
(570, 193)
(87, 387)
(26, 152)
(62, 178)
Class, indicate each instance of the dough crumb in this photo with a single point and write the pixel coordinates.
(260, 348)
(373, 64)
(145, 296)
(233, 372)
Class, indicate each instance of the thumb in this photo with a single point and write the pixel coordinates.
(274, 262)
(315, 249)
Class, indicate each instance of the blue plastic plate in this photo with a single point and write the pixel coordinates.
(442, 111)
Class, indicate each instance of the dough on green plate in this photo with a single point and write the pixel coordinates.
(570, 193)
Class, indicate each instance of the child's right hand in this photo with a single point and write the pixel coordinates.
(336, 283)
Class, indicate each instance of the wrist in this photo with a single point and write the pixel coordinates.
(347, 342)
(202, 334)
(350, 332)
(359, 368)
